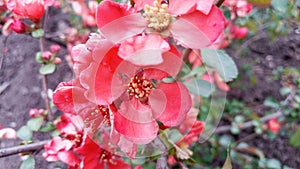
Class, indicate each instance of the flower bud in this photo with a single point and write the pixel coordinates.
(57, 61)
(274, 126)
(54, 48)
(46, 55)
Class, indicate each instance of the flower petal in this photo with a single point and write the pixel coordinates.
(178, 7)
(170, 66)
(119, 164)
(205, 6)
(196, 30)
(118, 22)
(144, 50)
(170, 103)
(138, 132)
(68, 157)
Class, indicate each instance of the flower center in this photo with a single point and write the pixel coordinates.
(139, 87)
(91, 121)
(75, 138)
(157, 15)
(106, 157)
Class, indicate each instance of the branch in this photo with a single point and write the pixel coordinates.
(218, 3)
(249, 124)
(45, 79)
(22, 148)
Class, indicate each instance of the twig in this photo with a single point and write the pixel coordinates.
(277, 114)
(45, 79)
(219, 3)
(22, 148)
(3, 50)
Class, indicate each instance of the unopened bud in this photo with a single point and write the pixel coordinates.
(57, 61)
(46, 55)
(54, 48)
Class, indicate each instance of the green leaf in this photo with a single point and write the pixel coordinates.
(200, 87)
(295, 138)
(227, 164)
(38, 33)
(29, 163)
(274, 164)
(24, 133)
(221, 61)
(38, 57)
(48, 127)
(47, 69)
(35, 124)
(271, 102)
(280, 5)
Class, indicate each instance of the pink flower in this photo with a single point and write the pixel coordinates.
(237, 32)
(32, 9)
(238, 8)
(88, 12)
(274, 126)
(136, 94)
(8, 133)
(194, 24)
(60, 149)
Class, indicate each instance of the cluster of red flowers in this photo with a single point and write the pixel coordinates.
(120, 88)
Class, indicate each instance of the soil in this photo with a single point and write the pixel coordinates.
(21, 87)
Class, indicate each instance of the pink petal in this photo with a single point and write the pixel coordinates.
(169, 67)
(144, 50)
(97, 79)
(140, 4)
(118, 22)
(138, 132)
(205, 6)
(196, 30)
(178, 7)
(8, 133)
(170, 103)
(69, 158)
(127, 147)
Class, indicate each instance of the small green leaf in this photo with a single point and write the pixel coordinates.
(271, 102)
(227, 164)
(24, 133)
(295, 138)
(220, 61)
(38, 33)
(274, 164)
(35, 124)
(280, 5)
(48, 127)
(29, 163)
(38, 57)
(200, 87)
(47, 69)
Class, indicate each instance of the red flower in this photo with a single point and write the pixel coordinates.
(138, 94)
(60, 149)
(97, 157)
(32, 9)
(274, 126)
(18, 26)
(194, 23)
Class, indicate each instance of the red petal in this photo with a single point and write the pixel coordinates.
(118, 22)
(170, 103)
(197, 30)
(139, 132)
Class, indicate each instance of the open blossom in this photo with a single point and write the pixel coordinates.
(136, 94)
(194, 23)
(87, 11)
(238, 8)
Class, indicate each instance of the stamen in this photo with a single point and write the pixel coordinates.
(157, 15)
(139, 87)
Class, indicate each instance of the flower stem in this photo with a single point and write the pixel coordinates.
(218, 3)
(45, 78)
(4, 152)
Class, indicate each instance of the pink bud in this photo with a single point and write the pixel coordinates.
(54, 48)
(36, 112)
(18, 26)
(46, 55)
(274, 126)
(57, 61)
